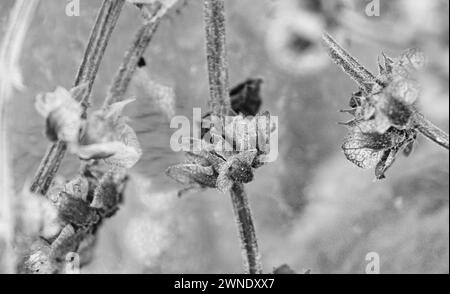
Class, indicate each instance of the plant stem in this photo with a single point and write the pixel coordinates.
(429, 130)
(220, 105)
(99, 38)
(348, 63)
(364, 78)
(152, 18)
(216, 53)
(246, 228)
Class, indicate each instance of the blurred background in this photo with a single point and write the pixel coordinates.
(313, 209)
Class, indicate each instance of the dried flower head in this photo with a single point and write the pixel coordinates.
(39, 260)
(217, 162)
(386, 120)
(388, 100)
(109, 192)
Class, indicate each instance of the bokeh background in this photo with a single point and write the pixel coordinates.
(313, 209)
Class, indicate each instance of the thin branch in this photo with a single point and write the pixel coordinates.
(109, 187)
(152, 18)
(249, 243)
(220, 105)
(217, 56)
(99, 38)
(364, 78)
(348, 63)
(429, 130)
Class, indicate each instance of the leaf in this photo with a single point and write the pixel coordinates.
(188, 174)
(113, 112)
(108, 137)
(109, 191)
(39, 260)
(247, 156)
(386, 161)
(78, 188)
(64, 243)
(409, 148)
(105, 125)
(365, 150)
(73, 210)
(131, 151)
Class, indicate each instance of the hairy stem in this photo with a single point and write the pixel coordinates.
(220, 105)
(216, 54)
(429, 130)
(249, 242)
(152, 18)
(99, 38)
(348, 63)
(364, 78)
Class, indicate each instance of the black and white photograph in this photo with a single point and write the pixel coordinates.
(228, 138)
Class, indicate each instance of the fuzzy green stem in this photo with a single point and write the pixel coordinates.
(429, 130)
(348, 63)
(216, 52)
(214, 12)
(99, 38)
(249, 243)
(152, 18)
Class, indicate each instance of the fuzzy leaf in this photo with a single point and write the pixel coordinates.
(131, 151)
(108, 193)
(39, 260)
(78, 188)
(387, 160)
(365, 150)
(108, 137)
(73, 210)
(188, 174)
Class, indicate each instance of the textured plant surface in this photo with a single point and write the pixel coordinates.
(210, 165)
(386, 121)
(313, 211)
(103, 141)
